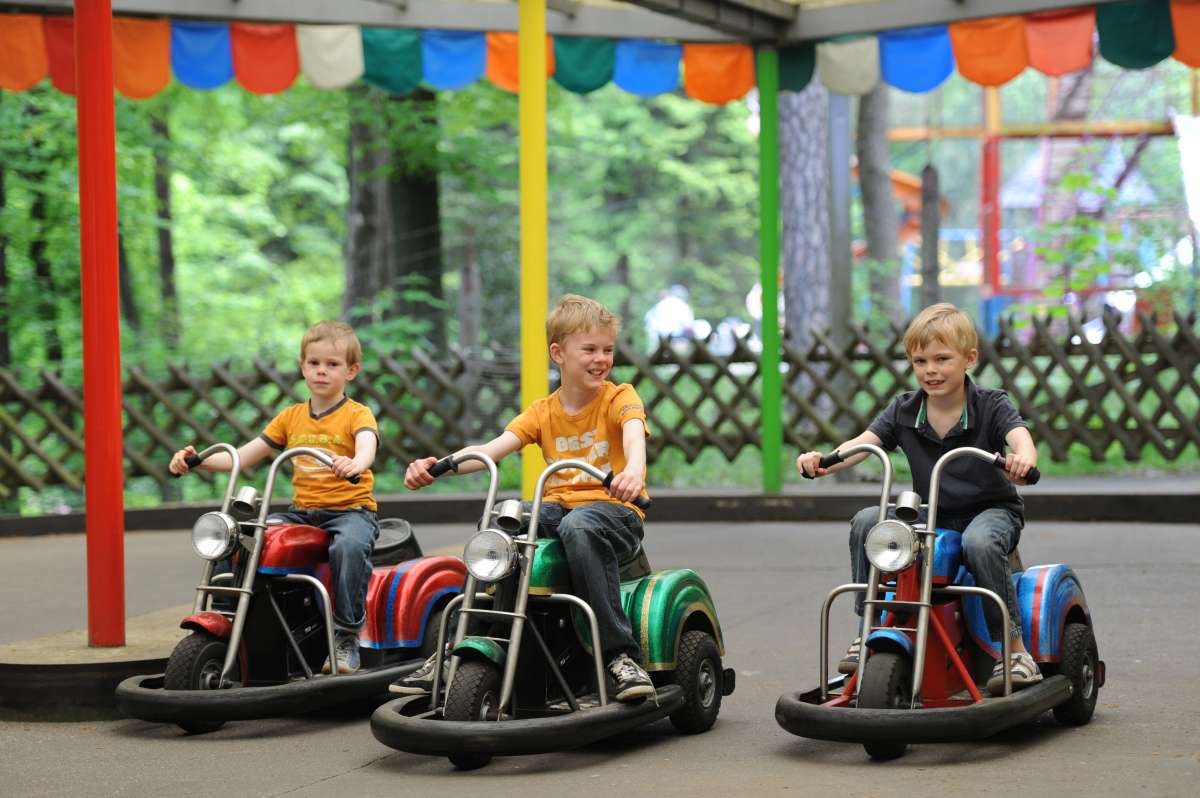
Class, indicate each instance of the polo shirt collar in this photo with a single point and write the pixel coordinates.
(964, 421)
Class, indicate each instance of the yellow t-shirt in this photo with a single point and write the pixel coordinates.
(317, 488)
(593, 434)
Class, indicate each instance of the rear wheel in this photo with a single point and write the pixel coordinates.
(698, 672)
(1079, 664)
(196, 664)
(886, 684)
(473, 695)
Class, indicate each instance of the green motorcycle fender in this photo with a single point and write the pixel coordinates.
(481, 648)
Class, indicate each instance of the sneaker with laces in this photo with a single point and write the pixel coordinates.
(345, 647)
(1024, 673)
(631, 682)
(420, 681)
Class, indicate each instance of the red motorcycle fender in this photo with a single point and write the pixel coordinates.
(214, 623)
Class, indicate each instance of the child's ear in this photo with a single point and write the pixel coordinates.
(972, 358)
(556, 353)
(352, 370)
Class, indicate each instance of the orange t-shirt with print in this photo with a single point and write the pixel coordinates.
(316, 487)
(593, 434)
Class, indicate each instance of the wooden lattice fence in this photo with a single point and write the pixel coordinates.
(1133, 392)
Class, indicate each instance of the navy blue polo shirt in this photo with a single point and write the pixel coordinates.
(968, 485)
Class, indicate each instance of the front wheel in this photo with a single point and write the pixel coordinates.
(886, 684)
(473, 695)
(1080, 663)
(698, 672)
(196, 664)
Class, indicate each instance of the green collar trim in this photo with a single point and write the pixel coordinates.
(962, 420)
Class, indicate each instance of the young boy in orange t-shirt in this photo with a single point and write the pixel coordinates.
(330, 357)
(592, 419)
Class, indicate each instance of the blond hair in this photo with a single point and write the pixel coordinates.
(943, 323)
(576, 313)
(339, 332)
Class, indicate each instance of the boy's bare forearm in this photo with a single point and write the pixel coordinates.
(1021, 442)
(497, 448)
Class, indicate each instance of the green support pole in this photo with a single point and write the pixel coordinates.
(768, 243)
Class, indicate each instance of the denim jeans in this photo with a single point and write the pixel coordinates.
(352, 534)
(597, 538)
(987, 540)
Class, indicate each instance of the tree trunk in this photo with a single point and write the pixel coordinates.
(129, 308)
(368, 228)
(931, 218)
(169, 325)
(470, 297)
(43, 273)
(804, 205)
(5, 313)
(878, 204)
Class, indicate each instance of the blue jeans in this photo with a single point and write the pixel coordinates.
(987, 540)
(598, 537)
(352, 534)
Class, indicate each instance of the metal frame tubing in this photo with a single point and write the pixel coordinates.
(206, 572)
(768, 248)
(102, 430)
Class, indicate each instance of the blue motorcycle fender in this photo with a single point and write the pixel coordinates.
(1049, 596)
(890, 640)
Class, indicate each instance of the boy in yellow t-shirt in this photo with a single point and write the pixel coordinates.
(330, 357)
(592, 419)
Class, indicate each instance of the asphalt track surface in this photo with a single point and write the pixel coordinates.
(768, 581)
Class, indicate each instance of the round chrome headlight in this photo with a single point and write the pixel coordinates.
(489, 555)
(891, 546)
(214, 536)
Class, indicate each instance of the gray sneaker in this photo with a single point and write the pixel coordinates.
(345, 646)
(420, 681)
(631, 682)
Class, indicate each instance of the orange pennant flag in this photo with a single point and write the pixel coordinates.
(1060, 41)
(59, 34)
(141, 56)
(503, 55)
(24, 48)
(1185, 19)
(990, 52)
(718, 73)
(265, 58)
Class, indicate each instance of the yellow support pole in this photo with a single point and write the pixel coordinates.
(535, 366)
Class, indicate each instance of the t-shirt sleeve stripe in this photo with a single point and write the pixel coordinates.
(278, 446)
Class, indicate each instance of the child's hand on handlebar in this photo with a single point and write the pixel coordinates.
(1017, 465)
(178, 466)
(627, 485)
(345, 467)
(808, 464)
(417, 475)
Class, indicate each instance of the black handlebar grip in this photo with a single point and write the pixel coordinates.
(442, 466)
(354, 480)
(191, 461)
(826, 461)
(641, 502)
(1031, 477)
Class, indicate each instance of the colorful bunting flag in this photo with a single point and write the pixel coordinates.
(59, 34)
(796, 66)
(916, 59)
(24, 48)
(331, 56)
(990, 52)
(1135, 34)
(453, 59)
(141, 56)
(718, 73)
(392, 59)
(201, 55)
(646, 68)
(1060, 41)
(583, 64)
(503, 51)
(849, 65)
(1185, 21)
(265, 60)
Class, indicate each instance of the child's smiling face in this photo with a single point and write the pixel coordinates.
(585, 358)
(940, 369)
(326, 370)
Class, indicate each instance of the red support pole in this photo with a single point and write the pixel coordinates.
(101, 323)
(989, 212)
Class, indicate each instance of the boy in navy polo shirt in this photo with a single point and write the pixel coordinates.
(948, 411)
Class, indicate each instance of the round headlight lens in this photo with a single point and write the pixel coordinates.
(891, 546)
(489, 555)
(214, 535)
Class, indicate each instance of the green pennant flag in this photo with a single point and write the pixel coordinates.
(1135, 34)
(796, 66)
(392, 59)
(583, 64)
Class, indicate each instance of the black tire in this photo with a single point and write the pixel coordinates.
(195, 664)
(473, 695)
(886, 684)
(431, 632)
(698, 672)
(1079, 663)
